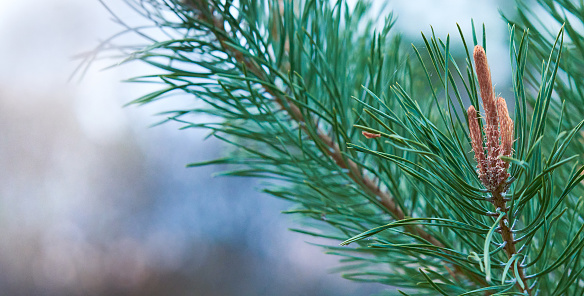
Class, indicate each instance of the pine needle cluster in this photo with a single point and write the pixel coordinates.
(367, 138)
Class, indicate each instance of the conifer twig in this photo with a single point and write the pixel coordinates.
(207, 14)
(492, 170)
(238, 58)
(333, 150)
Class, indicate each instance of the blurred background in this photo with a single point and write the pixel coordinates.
(94, 201)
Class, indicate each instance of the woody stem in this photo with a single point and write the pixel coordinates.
(508, 237)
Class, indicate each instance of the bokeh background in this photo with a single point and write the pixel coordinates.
(94, 201)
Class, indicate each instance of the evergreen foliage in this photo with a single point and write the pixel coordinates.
(365, 136)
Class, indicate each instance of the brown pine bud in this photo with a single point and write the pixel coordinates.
(485, 83)
(506, 130)
(506, 148)
(477, 144)
(488, 98)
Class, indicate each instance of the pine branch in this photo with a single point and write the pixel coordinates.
(207, 14)
(281, 78)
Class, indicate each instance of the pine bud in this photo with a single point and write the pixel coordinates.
(485, 83)
(506, 130)
(477, 143)
(506, 148)
(491, 118)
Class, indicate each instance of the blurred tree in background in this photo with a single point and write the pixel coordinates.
(369, 138)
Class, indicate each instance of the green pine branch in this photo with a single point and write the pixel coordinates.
(366, 138)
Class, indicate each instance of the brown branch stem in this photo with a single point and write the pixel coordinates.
(508, 237)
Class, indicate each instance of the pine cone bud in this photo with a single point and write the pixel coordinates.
(477, 144)
(488, 98)
(506, 130)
